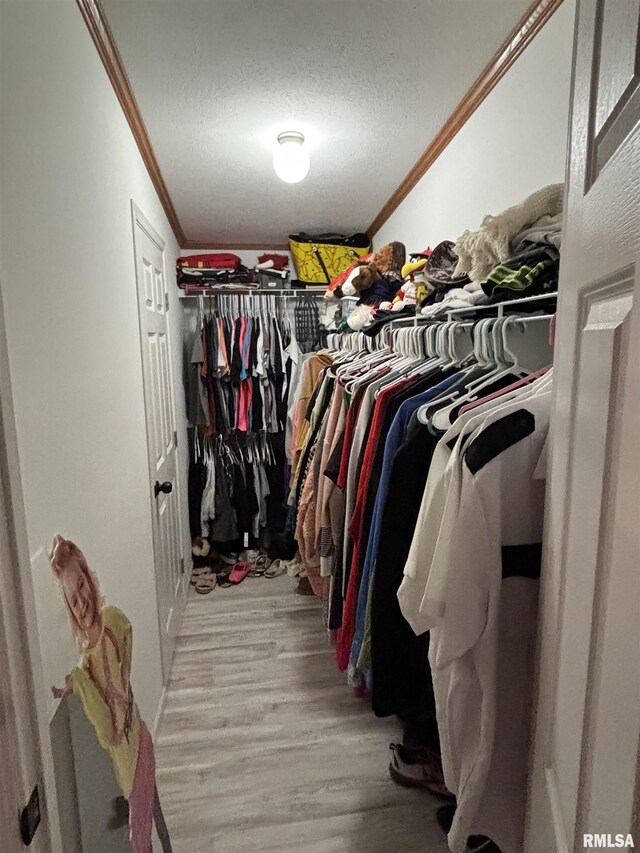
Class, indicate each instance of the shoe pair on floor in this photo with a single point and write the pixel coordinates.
(420, 767)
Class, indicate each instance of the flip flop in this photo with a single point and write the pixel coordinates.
(239, 572)
(206, 583)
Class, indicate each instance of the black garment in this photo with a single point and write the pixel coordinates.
(236, 357)
(244, 497)
(281, 401)
(220, 400)
(277, 363)
(277, 499)
(224, 527)
(381, 318)
(401, 674)
(382, 290)
(197, 482)
(231, 399)
(256, 405)
(253, 345)
(211, 329)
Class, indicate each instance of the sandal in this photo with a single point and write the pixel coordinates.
(277, 568)
(206, 583)
(198, 572)
(239, 572)
(261, 565)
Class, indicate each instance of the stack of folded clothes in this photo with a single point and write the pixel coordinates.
(196, 272)
(513, 254)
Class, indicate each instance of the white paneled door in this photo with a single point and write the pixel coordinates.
(153, 305)
(585, 787)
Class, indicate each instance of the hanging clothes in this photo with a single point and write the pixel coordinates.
(405, 447)
(237, 387)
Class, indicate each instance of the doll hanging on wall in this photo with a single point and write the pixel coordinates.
(102, 682)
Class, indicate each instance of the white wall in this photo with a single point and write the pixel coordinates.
(69, 169)
(513, 144)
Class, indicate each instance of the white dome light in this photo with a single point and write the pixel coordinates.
(291, 159)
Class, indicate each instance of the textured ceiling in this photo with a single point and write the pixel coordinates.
(370, 82)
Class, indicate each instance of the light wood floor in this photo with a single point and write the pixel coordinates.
(263, 747)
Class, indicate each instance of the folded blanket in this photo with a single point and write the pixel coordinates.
(480, 251)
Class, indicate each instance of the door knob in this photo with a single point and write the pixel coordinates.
(166, 488)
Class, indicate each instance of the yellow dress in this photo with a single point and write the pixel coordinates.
(102, 682)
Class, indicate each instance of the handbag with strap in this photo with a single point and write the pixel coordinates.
(319, 259)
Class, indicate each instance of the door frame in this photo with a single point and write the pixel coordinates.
(19, 637)
(138, 219)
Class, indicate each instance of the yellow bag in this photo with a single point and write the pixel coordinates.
(320, 259)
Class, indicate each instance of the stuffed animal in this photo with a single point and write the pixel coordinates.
(361, 278)
(360, 317)
(405, 296)
(367, 276)
(390, 259)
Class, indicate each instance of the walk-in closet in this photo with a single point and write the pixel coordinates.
(319, 406)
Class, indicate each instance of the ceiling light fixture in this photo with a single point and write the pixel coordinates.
(291, 159)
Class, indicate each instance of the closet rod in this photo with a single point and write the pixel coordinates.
(452, 313)
(292, 294)
(501, 305)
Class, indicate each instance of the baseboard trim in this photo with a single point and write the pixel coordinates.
(158, 716)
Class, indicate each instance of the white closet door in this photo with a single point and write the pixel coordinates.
(585, 789)
(161, 428)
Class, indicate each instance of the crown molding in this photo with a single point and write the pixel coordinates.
(512, 47)
(520, 37)
(98, 27)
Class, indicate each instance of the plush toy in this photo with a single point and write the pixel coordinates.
(363, 274)
(365, 277)
(373, 281)
(415, 286)
(102, 681)
(333, 291)
(360, 317)
(390, 259)
(404, 297)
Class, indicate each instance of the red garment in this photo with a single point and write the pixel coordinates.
(345, 633)
(245, 397)
(219, 261)
(242, 416)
